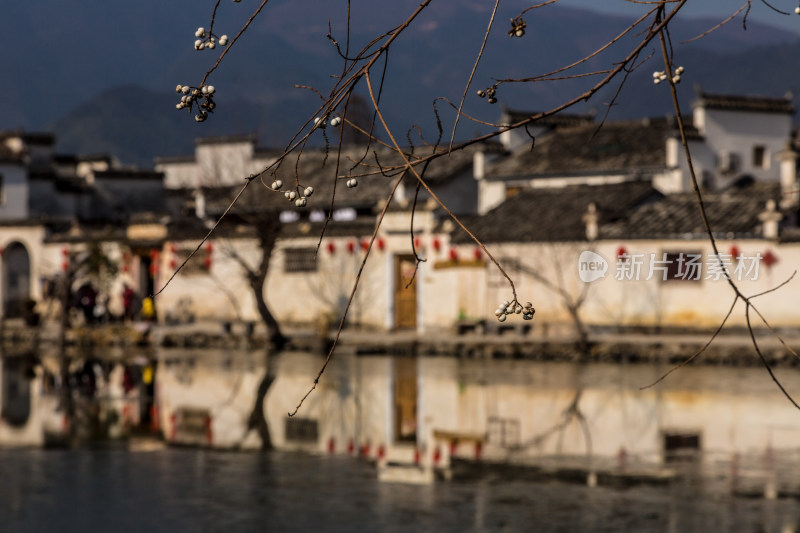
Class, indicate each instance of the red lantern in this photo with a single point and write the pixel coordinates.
(65, 251)
(734, 252)
(173, 249)
(124, 269)
(153, 268)
(381, 243)
(621, 251)
(769, 258)
(437, 245)
(207, 263)
(417, 243)
(331, 248)
(64, 265)
(453, 254)
(477, 253)
(209, 247)
(126, 257)
(365, 245)
(173, 264)
(351, 246)
(153, 254)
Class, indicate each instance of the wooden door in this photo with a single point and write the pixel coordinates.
(405, 295)
(405, 399)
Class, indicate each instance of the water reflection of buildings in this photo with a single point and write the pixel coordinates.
(725, 421)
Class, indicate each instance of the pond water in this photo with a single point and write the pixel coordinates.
(175, 489)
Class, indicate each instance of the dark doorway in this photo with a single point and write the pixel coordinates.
(16, 280)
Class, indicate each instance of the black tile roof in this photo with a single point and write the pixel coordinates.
(555, 214)
(758, 104)
(625, 146)
(512, 116)
(732, 213)
(317, 169)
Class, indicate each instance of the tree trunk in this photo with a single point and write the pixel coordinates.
(268, 229)
(258, 420)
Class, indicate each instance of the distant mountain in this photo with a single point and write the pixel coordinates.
(102, 77)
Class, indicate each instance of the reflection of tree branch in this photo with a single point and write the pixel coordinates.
(571, 412)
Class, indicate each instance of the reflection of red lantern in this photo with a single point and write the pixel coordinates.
(381, 243)
(769, 258)
(351, 246)
(437, 245)
(331, 248)
(621, 251)
(735, 252)
(477, 253)
(365, 245)
(453, 254)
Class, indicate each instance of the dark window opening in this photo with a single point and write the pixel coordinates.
(680, 266)
(300, 260)
(681, 446)
(503, 432)
(759, 157)
(301, 430)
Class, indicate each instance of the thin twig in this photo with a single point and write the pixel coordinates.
(472, 72)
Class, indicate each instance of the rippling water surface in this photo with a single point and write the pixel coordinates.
(196, 490)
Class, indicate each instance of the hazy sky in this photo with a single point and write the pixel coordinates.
(699, 8)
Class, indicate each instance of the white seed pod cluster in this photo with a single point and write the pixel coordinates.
(661, 75)
(300, 200)
(797, 10)
(202, 97)
(210, 41)
(335, 121)
(510, 308)
(352, 182)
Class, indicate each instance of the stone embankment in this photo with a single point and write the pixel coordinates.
(732, 348)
